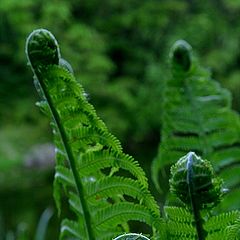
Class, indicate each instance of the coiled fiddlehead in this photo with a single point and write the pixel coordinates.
(181, 55)
(42, 49)
(193, 181)
(193, 177)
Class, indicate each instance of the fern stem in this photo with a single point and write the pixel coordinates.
(71, 159)
(194, 202)
(42, 50)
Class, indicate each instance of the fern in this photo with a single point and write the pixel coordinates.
(179, 223)
(194, 182)
(89, 158)
(198, 117)
(233, 231)
(107, 188)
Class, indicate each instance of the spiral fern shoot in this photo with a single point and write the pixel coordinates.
(89, 159)
(193, 177)
(194, 182)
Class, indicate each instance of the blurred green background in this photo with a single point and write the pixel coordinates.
(119, 52)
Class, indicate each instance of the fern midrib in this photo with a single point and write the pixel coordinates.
(194, 201)
(71, 159)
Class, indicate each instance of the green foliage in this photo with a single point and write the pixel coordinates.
(121, 47)
(118, 45)
(180, 225)
(197, 116)
(193, 182)
(89, 158)
(106, 188)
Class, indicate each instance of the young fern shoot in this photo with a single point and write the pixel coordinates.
(193, 181)
(89, 159)
(197, 116)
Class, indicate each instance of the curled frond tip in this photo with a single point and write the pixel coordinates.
(180, 55)
(42, 49)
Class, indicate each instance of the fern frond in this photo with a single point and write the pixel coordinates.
(93, 160)
(90, 160)
(233, 231)
(178, 214)
(64, 175)
(224, 226)
(221, 221)
(217, 235)
(181, 231)
(194, 183)
(197, 116)
(123, 212)
(110, 186)
(179, 223)
(71, 229)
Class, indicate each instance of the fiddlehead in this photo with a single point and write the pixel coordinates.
(181, 56)
(42, 49)
(193, 181)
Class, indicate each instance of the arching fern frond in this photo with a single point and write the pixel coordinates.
(89, 158)
(197, 117)
(193, 181)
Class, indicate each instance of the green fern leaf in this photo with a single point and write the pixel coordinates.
(179, 223)
(93, 160)
(233, 231)
(178, 214)
(89, 158)
(197, 117)
(123, 212)
(221, 221)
